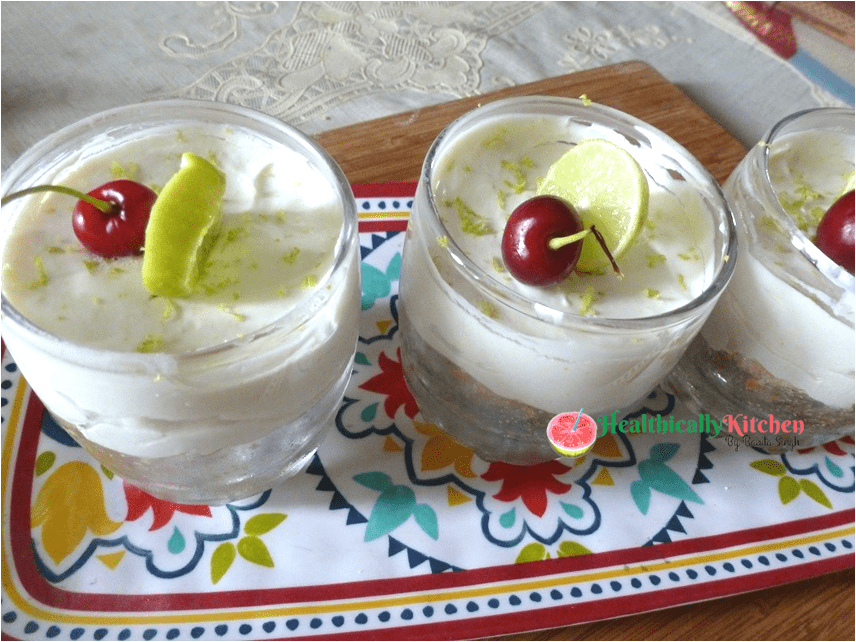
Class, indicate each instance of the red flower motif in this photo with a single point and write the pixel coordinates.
(390, 382)
(831, 447)
(140, 501)
(531, 483)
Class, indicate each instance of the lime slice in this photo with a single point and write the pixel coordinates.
(849, 185)
(609, 190)
(572, 434)
(182, 226)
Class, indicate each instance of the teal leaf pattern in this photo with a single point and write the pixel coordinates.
(663, 479)
(427, 520)
(507, 519)
(378, 284)
(394, 507)
(663, 452)
(176, 542)
(833, 468)
(375, 481)
(573, 510)
(656, 475)
(369, 413)
(641, 494)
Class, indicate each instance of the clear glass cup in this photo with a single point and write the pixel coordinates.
(778, 348)
(491, 363)
(218, 422)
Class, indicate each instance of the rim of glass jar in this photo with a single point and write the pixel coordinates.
(175, 111)
(826, 266)
(603, 115)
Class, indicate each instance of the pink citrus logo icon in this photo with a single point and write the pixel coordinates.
(572, 434)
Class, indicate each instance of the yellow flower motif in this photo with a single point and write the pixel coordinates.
(441, 450)
(70, 503)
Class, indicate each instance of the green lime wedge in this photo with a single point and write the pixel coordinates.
(849, 185)
(183, 224)
(609, 190)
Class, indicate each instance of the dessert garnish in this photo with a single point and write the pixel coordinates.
(608, 188)
(595, 189)
(182, 227)
(572, 434)
(542, 241)
(109, 221)
(837, 231)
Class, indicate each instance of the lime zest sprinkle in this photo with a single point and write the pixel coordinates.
(116, 271)
(53, 249)
(309, 281)
(231, 311)
(91, 265)
(291, 256)
(443, 241)
(117, 171)
(488, 309)
(651, 293)
(655, 259)
(43, 278)
(151, 343)
(587, 302)
(585, 99)
(471, 222)
(168, 308)
(501, 200)
(518, 184)
(498, 265)
(691, 254)
(497, 138)
(683, 282)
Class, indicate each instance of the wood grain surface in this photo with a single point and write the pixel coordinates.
(392, 149)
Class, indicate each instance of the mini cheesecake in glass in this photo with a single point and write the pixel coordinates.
(219, 394)
(775, 361)
(492, 360)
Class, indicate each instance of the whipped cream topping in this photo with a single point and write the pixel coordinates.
(265, 338)
(280, 225)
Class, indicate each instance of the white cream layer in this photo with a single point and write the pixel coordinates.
(763, 317)
(281, 222)
(531, 360)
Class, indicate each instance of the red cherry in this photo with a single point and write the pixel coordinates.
(526, 241)
(121, 230)
(837, 231)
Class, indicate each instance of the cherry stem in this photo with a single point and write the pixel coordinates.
(611, 258)
(562, 241)
(104, 206)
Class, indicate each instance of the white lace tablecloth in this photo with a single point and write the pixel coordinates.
(323, 65)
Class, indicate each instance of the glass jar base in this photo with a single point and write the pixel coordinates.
(494, 427)
(726, 385)
(228, 474)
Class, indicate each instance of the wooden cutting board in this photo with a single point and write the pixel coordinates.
(391, 149)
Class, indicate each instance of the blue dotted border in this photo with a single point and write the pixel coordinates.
(312, 624)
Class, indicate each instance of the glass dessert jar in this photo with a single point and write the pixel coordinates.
(491, 360)
(775, 360)
(212, 397)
